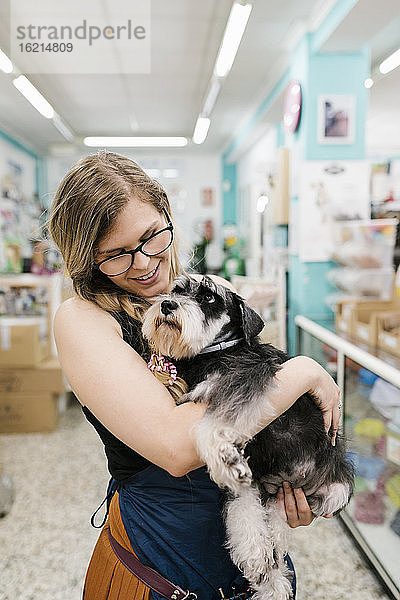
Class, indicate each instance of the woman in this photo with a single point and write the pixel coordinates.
(112, 224)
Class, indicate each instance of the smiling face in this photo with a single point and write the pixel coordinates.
(149, 275)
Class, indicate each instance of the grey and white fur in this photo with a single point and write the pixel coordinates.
(211, 335)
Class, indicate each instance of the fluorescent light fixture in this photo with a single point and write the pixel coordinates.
(390, 63)
(135, 142)
(33, 96)
(62, 128)
(235, 27)
(5, 63)
(170, 173)
(211, 97)
(368, 83)
(201, 130)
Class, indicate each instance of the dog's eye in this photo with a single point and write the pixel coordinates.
(209, 298)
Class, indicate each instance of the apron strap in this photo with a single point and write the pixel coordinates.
(113, 486)
(149, 576)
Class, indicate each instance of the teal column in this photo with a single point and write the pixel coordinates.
(41, 182)
(229, 197)
(321, 74)
(280, 232)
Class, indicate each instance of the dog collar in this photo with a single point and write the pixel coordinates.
(220, 346)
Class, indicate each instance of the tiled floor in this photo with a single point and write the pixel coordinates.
(60, 478)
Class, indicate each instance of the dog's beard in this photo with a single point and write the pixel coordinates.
(166, 337)
(171, 323)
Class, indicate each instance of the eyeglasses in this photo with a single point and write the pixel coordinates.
(155, 244)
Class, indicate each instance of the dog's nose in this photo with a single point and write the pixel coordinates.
(168, 307)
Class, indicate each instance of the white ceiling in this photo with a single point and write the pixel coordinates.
(186, 35)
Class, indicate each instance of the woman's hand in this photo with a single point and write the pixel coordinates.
(327, 396)
(294, 503)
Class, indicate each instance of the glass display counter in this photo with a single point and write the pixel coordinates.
(370, 384)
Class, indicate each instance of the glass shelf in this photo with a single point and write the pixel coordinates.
(370, 384)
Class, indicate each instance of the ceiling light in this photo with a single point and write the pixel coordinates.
(33, 96)
(390, 63)
(62, 128)
(5, 63)
(211, 97)
(235, 27)
(201, 130)
(135, 142)
(368, 83)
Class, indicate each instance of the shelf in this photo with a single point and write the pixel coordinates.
(54, 283)
(363, 374)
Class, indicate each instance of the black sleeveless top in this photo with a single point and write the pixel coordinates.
(122, 460)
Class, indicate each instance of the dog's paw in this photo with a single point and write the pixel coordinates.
(183, 399)
(237, 469)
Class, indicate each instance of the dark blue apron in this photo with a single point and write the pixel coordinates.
(175, 526)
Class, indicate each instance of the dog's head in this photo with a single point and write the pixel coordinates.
(182, 323)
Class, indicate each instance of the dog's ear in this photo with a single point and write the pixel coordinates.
(250, 321)
(209, 283)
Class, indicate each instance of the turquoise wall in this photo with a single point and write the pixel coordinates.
(40, 170)
(322, 74)
(229, 196)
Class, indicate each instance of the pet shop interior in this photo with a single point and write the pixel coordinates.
(274, 128)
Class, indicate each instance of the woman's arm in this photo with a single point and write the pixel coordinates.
(113, 381)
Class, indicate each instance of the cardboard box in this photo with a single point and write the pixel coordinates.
(24, 341)
(388, 330)
(344, 315)
(364, 325)
(359, 319)
(46, 377)
(28, 412)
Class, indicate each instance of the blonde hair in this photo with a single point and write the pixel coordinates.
(85, 207)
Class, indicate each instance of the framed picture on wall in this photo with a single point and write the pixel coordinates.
(336, 119)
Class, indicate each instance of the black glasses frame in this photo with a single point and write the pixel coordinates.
(139, 248)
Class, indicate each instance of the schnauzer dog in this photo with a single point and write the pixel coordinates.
(211, 335)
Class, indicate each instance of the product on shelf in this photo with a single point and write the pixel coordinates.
(366, 467)
(365, 243)
(392, 487)
(23, 300)
(388, 472)
(360, 484)
(385, 397)
(369, 508)
(393, 442)
(371, 428)
(362, 257)
(367, 377)
(363, 283)
(365, 250)
(369, 467)
(395, 524)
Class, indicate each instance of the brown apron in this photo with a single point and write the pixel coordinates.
(106, 577)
